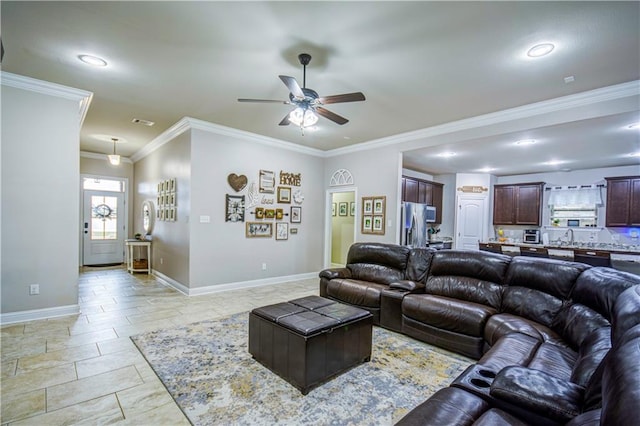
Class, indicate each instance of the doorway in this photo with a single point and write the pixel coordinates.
(470, 222)
(341, 225)
(104, 221)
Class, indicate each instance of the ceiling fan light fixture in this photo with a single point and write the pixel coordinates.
(303, 117)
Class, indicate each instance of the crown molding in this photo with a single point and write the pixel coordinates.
(171, 133)
(98, 156)
(604, 94)
(188, 123)
(52, 89)
(253, 137)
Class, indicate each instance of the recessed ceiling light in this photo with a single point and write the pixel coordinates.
(525, 142)
(635, 154)
(486, 170)
(447, 154)
(539, 50)
(634, 126)
(93, 60)
(554, 162)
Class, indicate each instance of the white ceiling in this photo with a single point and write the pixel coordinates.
(420, 64)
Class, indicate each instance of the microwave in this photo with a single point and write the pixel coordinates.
(531, 236)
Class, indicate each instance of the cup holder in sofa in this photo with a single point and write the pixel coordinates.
(480, 383)
(487, 373)
(476, 379)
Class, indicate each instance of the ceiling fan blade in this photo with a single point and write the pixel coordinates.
(285, 121)
(292, 85)
(345, 97)
(331, 116)
(265, 101)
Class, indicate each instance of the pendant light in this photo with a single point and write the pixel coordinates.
(114, 158)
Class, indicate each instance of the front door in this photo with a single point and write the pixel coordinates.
(103, 227)
(470, 222)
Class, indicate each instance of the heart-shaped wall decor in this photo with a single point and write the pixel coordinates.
(237, 182)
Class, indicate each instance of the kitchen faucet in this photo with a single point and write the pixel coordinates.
(569, 232)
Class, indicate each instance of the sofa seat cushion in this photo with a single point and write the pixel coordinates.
(448, 406)
(449, 314)
(356, 292)
(500, 325)
(497, 417)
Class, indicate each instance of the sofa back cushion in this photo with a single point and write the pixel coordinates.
(473, 276)
(599, 287)
(621, 381)
(626, 313)
(537, 288)
(418, 264)
(377, 262)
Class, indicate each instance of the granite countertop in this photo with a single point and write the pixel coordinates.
(611, 248)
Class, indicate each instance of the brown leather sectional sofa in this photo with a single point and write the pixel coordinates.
(556, 342)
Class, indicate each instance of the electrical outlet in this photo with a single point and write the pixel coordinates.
(34, 289)
(264, 266)
(161, 260)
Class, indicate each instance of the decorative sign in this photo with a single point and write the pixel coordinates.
(266, 200)
(293, 179)
(473, 189)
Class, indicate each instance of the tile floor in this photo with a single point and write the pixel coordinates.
(84, 369)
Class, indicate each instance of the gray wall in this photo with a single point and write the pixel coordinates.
(40, 199)
(375, 172)
(220, 252)
(170, 247)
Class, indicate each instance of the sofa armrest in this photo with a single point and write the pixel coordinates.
(407, 285)
(538, 392)
(333, 273)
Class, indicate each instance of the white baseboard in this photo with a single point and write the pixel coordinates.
(39, 314)
(198, 291)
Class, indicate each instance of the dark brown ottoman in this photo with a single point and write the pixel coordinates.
(308, 341)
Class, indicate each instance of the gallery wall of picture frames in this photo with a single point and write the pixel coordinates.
(167, 200)
(267, 207)
(373, 215)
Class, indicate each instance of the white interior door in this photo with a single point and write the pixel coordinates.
(103, 227)
(470, 222)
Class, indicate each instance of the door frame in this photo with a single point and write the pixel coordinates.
(328, 221)
(81, 208)
(465, 197)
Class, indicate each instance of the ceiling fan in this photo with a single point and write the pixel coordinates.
(308, 104)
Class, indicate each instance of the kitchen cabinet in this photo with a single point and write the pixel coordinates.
(623, 201)
(517, 204)
(423, 191)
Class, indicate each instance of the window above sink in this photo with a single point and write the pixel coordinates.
(574, 207)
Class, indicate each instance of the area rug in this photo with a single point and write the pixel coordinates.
(207, 369)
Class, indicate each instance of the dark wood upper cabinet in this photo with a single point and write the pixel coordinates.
(623, 201)
(518, 204)
(423, 191)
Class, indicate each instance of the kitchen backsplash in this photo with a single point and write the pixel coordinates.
(626, 236)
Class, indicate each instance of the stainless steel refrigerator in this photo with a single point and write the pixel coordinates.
(416, 220)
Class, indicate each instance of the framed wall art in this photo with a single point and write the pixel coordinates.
(259, 213)
(342, 209)
(352, 208)
(279, 214)
(295, 214)
(259, 230)
(234, 208)
(269, 213)
(282, 231)
(373, 215)
(266, 182)
(284, 194)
